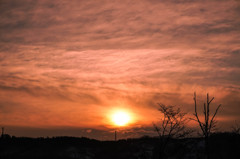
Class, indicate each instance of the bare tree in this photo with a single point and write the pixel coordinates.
(208, 125)
(236, 128)
(172, 125)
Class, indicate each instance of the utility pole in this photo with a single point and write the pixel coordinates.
(115, 135)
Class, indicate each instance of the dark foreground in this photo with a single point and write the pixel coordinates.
(222, 146)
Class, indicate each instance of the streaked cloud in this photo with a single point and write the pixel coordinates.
(66, 63)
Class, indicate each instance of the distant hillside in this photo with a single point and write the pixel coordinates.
(222, 145)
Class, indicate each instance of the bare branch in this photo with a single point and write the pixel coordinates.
(195, 120)
(214, 116)
(236, 128)
(157, 129)
(196, 115)
(204, 112)
(206, 126)
(210, 100)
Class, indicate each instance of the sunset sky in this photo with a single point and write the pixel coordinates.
(67, 66)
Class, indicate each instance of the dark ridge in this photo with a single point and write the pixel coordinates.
(222, 145)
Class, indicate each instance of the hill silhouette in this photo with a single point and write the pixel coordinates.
(222, 145)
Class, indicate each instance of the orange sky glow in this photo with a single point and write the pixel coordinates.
(67, 66)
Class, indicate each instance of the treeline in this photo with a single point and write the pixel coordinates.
(221, 145)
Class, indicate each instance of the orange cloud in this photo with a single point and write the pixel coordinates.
(66, 64)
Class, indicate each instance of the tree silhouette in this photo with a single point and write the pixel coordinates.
(236, 128)
(172, 125)
(208, 125)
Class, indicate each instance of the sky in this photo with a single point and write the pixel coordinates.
(66, 66)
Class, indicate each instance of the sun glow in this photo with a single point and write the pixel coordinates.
(121, 118)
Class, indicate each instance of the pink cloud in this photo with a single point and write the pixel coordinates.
(67, 63)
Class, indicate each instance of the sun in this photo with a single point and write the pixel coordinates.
(120, 118)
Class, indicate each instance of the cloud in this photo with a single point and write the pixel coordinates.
(119, 24)
(69, 63)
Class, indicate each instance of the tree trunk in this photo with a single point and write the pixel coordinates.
(206, 147)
